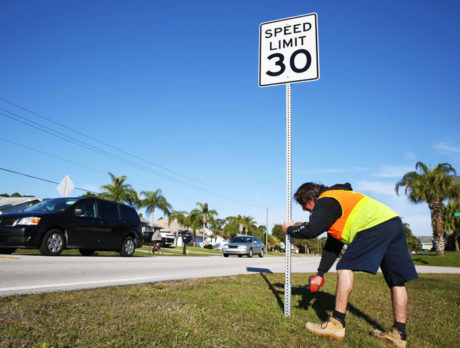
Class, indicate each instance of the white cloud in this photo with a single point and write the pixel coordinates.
(445, 147)
(393, 171)
(375, 187)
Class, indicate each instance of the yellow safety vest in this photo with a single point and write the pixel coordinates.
(359, 213)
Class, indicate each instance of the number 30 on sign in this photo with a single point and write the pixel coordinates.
(288, 51)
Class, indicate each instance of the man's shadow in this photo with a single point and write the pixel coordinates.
(321, 302)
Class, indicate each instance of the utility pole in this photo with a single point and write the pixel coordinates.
(266, 233)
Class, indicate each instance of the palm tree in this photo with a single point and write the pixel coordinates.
(432, 186)
(451, 223)
(194, 221)
(205, 215)
(247, 222)
(217, 226)
(154, 200)
(118, 191)
(180, 217)
(233, 226)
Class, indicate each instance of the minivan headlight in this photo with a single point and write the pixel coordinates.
(30, 220)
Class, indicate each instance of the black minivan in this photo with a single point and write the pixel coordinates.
(83, 223)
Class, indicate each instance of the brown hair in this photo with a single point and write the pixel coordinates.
(308, 191)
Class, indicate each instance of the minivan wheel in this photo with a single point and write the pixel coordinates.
(261, 253)
(7, 250)
(52, 243)
(86, 252)
(250, 253)
(128, 247)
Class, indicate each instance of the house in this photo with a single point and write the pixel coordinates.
(171, 230)
(209, 238)
(427, 242)
(16, 204)
(294, 248)
(174, 228)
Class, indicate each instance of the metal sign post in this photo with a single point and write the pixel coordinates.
(288, 53)
(287, 282)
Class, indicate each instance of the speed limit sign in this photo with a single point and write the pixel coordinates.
(288, 50)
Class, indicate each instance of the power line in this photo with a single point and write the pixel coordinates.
(111, 146)
(57, 157)
(51, 155)
(41, 179)
(78, 142)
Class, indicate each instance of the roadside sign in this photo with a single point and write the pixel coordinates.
(65, 187)
(457, 213)
(288, 53)
(288, 50)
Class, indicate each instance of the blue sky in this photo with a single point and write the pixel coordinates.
(167, 94)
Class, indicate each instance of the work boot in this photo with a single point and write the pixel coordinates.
(392, 336)
(330, 328)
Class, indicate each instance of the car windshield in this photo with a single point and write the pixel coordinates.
(242, 240)
(52, 205)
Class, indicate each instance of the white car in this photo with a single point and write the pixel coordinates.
(244, 245)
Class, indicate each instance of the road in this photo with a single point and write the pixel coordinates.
(28, 274)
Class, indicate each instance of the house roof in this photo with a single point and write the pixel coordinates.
(426, 239)
(148, 222)
(173, 227)
(12, 201)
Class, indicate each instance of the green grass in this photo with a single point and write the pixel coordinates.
(236, 311)
(450, 259)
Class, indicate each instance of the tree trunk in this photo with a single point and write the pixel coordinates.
(456, 245)
(204, 233)
(436, 218)
(152, 210)
(439, 244)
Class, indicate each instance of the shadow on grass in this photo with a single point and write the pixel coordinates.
(420, 260)
(321, 302)
(275, 292)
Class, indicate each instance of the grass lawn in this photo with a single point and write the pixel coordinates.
(450, 259)
(235, 311)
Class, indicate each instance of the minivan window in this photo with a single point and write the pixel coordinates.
(88, 208)
(109, 210)
(128, 213)
(52, 205)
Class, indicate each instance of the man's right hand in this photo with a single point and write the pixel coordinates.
(287, 224)
(315, 283)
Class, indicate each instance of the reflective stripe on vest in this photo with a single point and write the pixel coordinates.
(359, 213)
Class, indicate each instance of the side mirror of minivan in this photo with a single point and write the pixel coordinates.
(78, 212)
